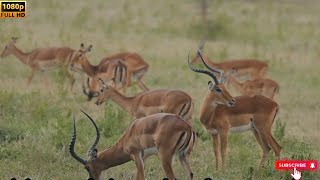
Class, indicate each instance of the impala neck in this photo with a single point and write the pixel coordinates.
(236, 83)
(23, 57)
(113, 156)
(208, 108)
(124, 102)
(89, 69)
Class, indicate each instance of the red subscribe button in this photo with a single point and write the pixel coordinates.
(304, 165)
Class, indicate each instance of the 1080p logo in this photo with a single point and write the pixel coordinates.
(13, 9)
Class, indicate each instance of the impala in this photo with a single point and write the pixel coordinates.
(42, 59)
(160, 134)
(136, 67)
(114, 71)
(220, 113)
(244, 67)
(265, 87)
(150, 102)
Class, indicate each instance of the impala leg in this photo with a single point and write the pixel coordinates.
(165, 157)
(215, 142)
(264, 146)
(140, 166)
(70, 77)
(224, 142)
(45, 79)
(184, 160)
(142, 85)
(31, 76)
(274, 145)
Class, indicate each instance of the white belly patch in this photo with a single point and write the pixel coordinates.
(150, 151)
(213, 131)
(239, 129)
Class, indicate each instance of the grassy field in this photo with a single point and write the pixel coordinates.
(35, 121)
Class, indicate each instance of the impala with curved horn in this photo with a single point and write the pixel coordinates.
(220, 113)
(160, 134)
(150, 102)
(245, 67)
(42, 59)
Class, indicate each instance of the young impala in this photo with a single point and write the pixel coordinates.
(244, 67)
(150, 102)
(42, 59)
(265, 87)
(159, 134)
(220, 113)
(136, 67)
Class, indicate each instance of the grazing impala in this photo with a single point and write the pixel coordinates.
(221, 113)
(42, 59)
(150, 102)
(265, 87)
(136, 67)
(244, 67)
(159, 134)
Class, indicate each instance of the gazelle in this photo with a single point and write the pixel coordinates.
(136, 67)
(150, 102)
(160, 134)
(220, 113)
(244, 67)
(265, 87)
(42, 59)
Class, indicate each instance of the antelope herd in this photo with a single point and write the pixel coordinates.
(163, 117)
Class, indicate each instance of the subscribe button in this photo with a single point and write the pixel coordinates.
(301, 165)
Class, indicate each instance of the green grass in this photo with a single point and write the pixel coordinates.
(35, 121)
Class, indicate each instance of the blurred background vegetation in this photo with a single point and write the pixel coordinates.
(35, 121)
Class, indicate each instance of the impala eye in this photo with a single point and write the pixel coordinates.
(219, 90)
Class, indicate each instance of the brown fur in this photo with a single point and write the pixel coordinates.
(150, 102)
(42, 59)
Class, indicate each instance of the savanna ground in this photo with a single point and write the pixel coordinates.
(35, 121)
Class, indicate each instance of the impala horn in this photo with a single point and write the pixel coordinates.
(202, 71)
(96, 141)
(210, 68)
(73, 141)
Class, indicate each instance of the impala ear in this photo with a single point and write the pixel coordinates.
(210, 85)
(93, 154)
(89, 48)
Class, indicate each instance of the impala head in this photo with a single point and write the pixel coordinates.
(196, 58)
(217, 89)
(80, 57)
(9, 47)
(91, 90)
(92, 164)
(105, 92)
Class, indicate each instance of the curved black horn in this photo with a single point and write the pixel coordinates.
(93, 146)
(202, 71)
(73, 141)
(210, 68)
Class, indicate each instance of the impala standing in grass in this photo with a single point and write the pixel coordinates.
(220, 113)
(150, 102)
(244, 67)
(136, 67)
(160, 134)
(42, 59)
(265, 87)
